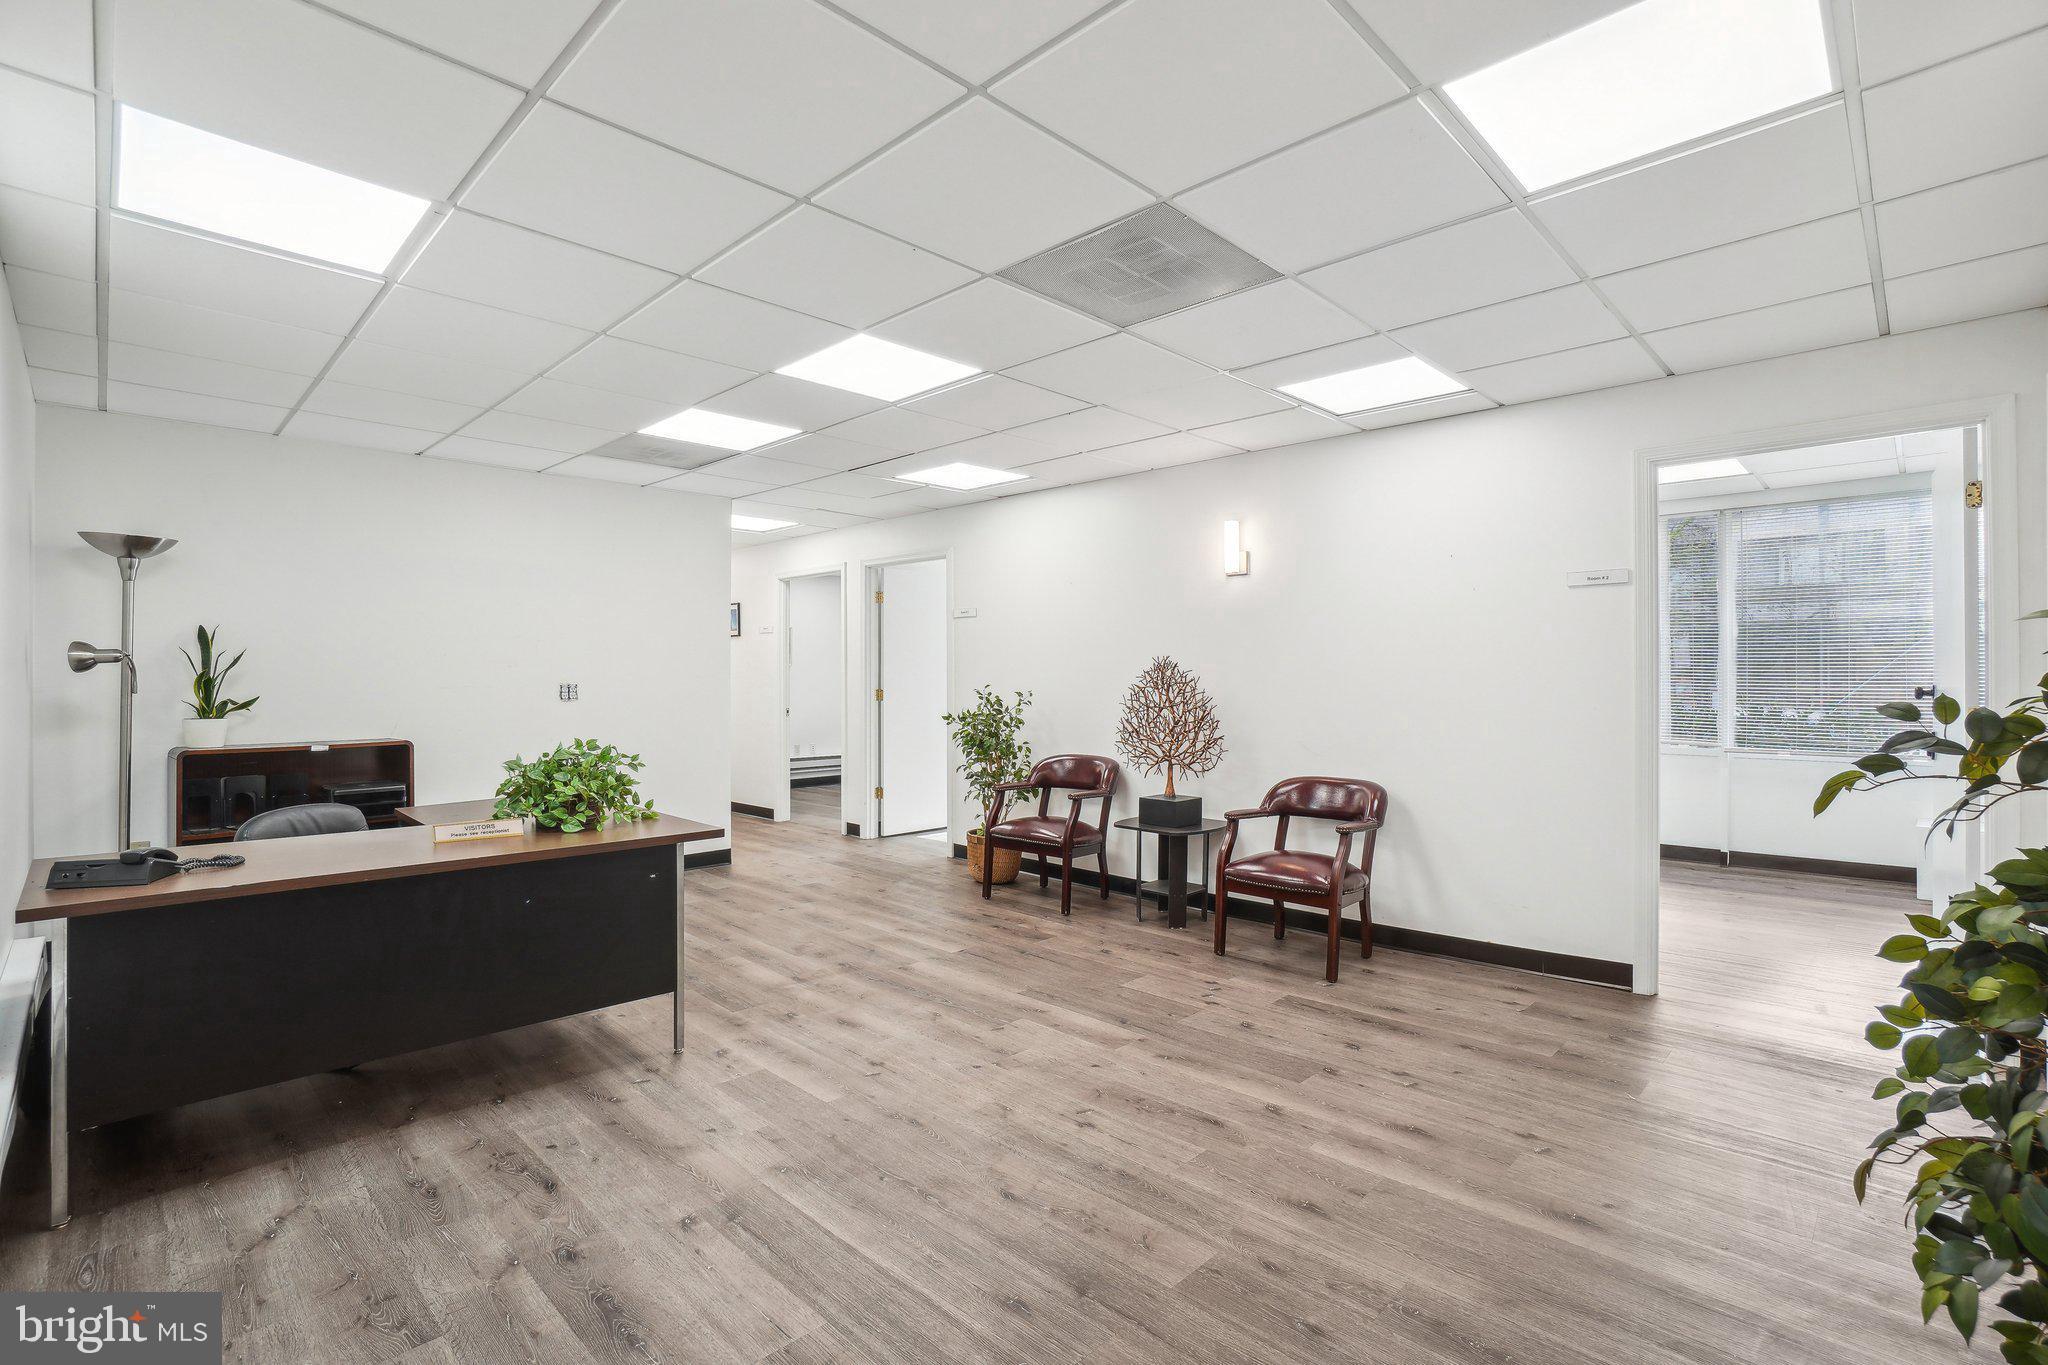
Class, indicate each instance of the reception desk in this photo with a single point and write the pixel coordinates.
(327, 952)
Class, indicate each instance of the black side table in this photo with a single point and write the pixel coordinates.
(1172, 887)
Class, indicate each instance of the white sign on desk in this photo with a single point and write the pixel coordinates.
(479, 829)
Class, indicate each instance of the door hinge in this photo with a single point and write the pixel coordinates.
(878, 793)
(1973, 493)
(878, 595)
(878, 694)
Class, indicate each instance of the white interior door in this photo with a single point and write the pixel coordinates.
(911, 756)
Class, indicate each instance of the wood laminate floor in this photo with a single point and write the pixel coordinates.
(912, 1126)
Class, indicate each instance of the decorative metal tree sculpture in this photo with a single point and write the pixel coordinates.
(1169, 723)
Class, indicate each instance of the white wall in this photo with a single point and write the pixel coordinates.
(1405, 619)
(817, 693)
(1757, 803)
(17, 512)
(377, 595)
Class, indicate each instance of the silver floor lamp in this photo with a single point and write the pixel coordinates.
(129, 552)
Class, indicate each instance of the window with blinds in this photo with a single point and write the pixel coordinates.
(1817, 611)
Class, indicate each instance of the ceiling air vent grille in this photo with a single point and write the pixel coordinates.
(1155, 262)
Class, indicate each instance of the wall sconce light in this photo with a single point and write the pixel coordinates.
(1235, 560)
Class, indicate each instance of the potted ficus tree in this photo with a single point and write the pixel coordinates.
(1971, 1086)
(580, 785)
(989, 735)
(207, 726)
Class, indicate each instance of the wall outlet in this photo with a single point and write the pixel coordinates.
(566, 691)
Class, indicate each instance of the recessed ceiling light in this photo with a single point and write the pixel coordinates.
(740, 523)
(1648, 77)
(1699, 469)
(1375, 386)
(202, 180)
(876, 368)
(962, 478)
(717, 430)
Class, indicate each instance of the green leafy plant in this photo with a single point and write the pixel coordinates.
(989, 737)
(1972, 1081)
(207, 702)
(581, 785)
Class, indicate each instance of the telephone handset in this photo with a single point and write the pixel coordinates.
(131, 867)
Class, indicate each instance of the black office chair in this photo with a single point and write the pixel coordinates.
(290, 822)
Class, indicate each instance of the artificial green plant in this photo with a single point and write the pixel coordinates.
(207, 702)
(580, 785)
(989, 735)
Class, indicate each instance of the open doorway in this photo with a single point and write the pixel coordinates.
(910, 642)
(814, 696)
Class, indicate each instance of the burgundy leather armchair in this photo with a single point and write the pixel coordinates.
(1081, 778)
(1323, 881)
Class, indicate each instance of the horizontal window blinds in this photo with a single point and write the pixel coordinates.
(1692, 628)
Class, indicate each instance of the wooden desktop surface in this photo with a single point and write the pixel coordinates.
(338, 859)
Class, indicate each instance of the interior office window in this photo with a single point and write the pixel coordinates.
(1691, 596)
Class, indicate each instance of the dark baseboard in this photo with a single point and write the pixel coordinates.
(716, 857)
(831, 781)
(1685, 853)
(1772, 862)
(758, 812)
(853, 832)
(1599, 971)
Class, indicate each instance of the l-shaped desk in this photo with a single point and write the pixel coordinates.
(327, 952)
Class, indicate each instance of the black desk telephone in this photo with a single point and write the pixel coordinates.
(136, 867)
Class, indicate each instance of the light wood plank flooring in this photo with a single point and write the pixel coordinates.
(912, 1126)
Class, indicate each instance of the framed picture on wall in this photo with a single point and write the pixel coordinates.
(735, 623)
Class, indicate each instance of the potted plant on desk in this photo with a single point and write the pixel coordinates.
(581, 785)
(207, 726)
(988, 734)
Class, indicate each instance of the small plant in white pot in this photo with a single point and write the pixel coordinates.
(207, 726)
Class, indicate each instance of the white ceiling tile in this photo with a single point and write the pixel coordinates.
(822, 451)
(146, 259)
(697, 320)
(1975, 114)
(1323, 361)
(517, 429)
(1204, 403)
(1426, 410)
(171, 326)
(195, 374)
(1599, 366)
(1441, 39)
(1158, 452)
(1290, 426)
(817, 504)
(429, 376)
(53, 301)
(310, 85)
(469, 450)
(486, 261)
(1978, 217)
(192, 407)
(901, 431)
(973, 41)
(1118, 366)
(1142, 88)
(71, 390)
(49, 37)
(659, 450)
(1276, 319)
(514, 39)
(42, 233)
(791, 511)
(438, 325)
(1791, 172)
(1451, 270)
(1974, 289)
(1537, 325)
(997, 449)
(1329, 197)
(1807, 478)
(829, 267)
(994, 402)
(382, 407)
(627, 367)
(349, 431)
(982, 186)
(1072, 469)
(915, 498)
(1804, 325)
(853, 486)
(65, 351)
(992, 325)
(610, 470)
(1793, 263)
(600, 408)
(763, 469)
(781, 90)
(711, 486)
(51, 146)
(1091, 429)
(1829, 456)
(1897, 36)
(576, 178)
(791, 402)
(1694, 489)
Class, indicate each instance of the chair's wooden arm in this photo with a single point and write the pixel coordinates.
(1249, 813)
(1358, 827)
(1074, 800)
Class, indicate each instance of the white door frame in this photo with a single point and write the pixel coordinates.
(782, 582)
(1997, 415)
(871, 672)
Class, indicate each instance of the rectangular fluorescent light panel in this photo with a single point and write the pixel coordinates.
(1375, 386)
(1699, 469)
(962, 478)
(1645, 78)
(717, 430)
(740, 523)
(876, 368)
(201, 180)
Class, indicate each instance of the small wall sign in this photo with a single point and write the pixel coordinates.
(479, 829)
(1595, 578)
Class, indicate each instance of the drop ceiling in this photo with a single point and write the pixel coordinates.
(641, 206)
